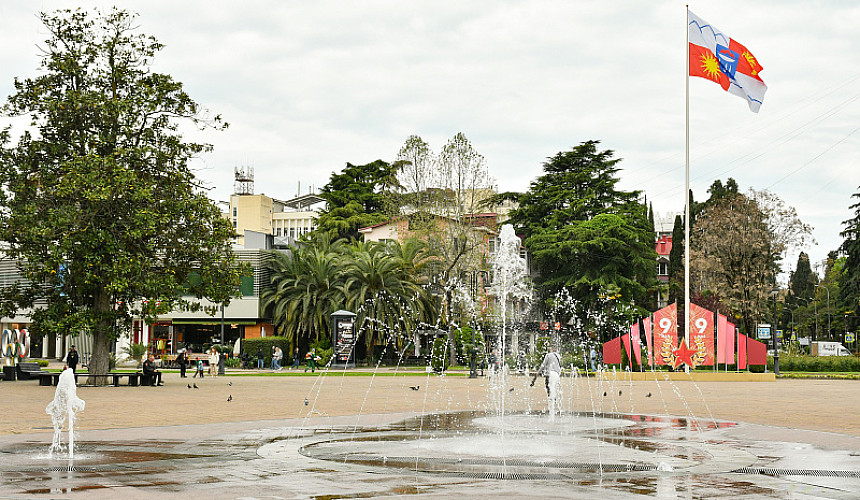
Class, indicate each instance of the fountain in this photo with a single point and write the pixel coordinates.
(63, 409)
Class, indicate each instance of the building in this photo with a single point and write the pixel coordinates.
(285, 220)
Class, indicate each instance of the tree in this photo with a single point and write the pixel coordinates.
(306, 288)
(359, 196)
(584, 233)
(100, 207)
(849, 285)
(676, 261)
(737, 245)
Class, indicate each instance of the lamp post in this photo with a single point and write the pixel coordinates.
(828, 309)
(775, 292)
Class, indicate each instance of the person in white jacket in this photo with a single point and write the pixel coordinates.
(550, 368)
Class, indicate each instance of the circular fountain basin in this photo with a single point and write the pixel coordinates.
(529, 446)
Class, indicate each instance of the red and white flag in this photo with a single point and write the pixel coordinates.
(716, 57)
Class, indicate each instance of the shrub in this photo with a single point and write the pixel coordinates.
(439, 356)
(266, 344)
(135, 351)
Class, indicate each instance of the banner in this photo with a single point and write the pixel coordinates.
(701, 330)
(612, 351)
(731, 335)
(635, 339)
(648, 341)
(742, 351)
(721, 339)
(665, 333)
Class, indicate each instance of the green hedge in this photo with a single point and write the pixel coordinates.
(267, 343)
(801, 363)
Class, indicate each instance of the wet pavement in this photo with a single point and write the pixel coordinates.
(422, 456)
(420, 437)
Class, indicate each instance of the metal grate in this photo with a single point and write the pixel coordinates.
(797, 472)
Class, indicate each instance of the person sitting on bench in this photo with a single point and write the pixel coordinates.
(150, 373)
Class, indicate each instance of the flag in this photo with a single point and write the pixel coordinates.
(716, 57)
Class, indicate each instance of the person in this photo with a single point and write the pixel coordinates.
(260, 358)
(311, 358)
(183, 363)
(72, 359)
(276, 358)
(213, 362)
(550, 368)
(297, 359)
(521, 362)
(150, 371)
(199, 369)
(592, 357)
(494, 361)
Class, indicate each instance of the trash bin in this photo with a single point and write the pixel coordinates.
(9, 373)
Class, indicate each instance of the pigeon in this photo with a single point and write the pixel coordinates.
(195, 386)
(189, 386)
(511, 389)
(648, 395)
(229, 398)
(229, 383)
(604, 394)
(414, 387)
(306, 401)
(619, 393)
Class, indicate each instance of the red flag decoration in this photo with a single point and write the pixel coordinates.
(636, 342)
(701, 330)
(742, 351)
(722, 323)
(648, 341)
(731, 333)
(716, 57)
(612, 351)
(665, 334)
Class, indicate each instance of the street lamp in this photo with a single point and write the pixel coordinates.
(775, 292)
(828, 309)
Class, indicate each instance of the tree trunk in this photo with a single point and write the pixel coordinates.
(100, 361)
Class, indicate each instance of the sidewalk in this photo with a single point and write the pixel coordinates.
(822, 405)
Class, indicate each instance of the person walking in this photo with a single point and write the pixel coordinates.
(550, 368)
(72, 359)
(297, 359)
(311, 358)
(276, 358)
(182, 360)
(261, 360)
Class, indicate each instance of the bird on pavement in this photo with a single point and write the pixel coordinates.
(189, 386)
(306, 401)
(414, 387)
(648, 395)
(195, 386)
(229, 383)
(229, 398)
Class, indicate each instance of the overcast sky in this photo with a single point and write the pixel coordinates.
(309, 86)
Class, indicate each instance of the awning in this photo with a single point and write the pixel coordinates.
(209, 322)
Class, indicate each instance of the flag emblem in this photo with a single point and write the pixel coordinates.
(717, 57)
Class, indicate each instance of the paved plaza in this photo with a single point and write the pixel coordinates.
(290, 436)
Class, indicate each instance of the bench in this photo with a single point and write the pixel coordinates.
(27, 371)
(53, 378)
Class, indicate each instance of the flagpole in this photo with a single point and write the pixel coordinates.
(687, 189)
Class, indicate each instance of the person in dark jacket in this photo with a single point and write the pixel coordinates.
(149, 370)
(72, 359)
(182, 360)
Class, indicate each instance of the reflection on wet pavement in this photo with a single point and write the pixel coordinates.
(441, 455)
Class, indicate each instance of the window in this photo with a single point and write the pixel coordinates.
(662, 269)
(235, 211)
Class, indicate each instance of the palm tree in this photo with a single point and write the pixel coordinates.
(306, 289)
(387, 298)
